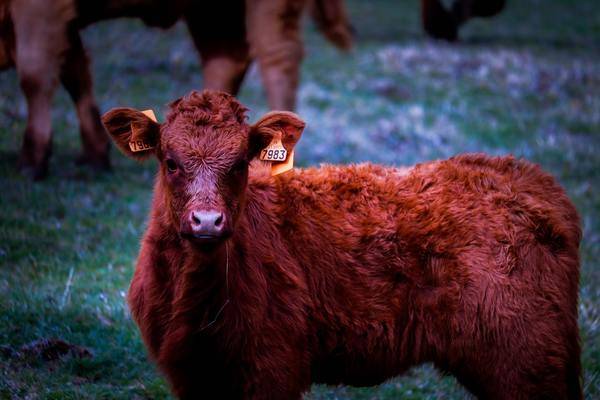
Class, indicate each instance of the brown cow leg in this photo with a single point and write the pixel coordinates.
(40, 33)
(331, 18)
(222, 46)
(274, 36)
(438, 22)
(38, 75)
(224, 69)
(76, 78)
(37, 142)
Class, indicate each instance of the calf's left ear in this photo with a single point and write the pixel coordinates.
(136, 133)
(275, 125)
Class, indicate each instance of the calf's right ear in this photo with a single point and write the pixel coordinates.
(135, 133)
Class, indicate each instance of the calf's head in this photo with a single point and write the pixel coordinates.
(204, 149)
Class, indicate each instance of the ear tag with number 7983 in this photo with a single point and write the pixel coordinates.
(274, 151)
(281, 160)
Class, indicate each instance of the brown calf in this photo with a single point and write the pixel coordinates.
(253, 286)
(42, 39)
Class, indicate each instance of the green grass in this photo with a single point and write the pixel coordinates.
(526, 82)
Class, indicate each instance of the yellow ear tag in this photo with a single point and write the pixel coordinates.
(281, 161)
(150, 114)
(137, 143)
(281, 167)
(274, 151)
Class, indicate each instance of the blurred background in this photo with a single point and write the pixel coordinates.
(526, 82)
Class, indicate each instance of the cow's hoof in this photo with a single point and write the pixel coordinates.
(33, 167)
(443, 30)
(341, 35)
(34, 172)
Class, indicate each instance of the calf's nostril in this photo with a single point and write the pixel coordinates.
(219, 220)
(196, 218)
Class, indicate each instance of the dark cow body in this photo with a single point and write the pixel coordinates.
(42, 39)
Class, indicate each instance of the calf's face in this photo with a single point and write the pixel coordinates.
(204, 149)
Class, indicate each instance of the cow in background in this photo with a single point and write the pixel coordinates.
(441, 23)
(41, 38)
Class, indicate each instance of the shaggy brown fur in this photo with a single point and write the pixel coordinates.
(42, 39)
(441, 23)
(348, 274)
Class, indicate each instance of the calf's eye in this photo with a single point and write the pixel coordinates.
(171, 165)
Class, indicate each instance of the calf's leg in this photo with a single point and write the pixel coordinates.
(522, 346)
(76, 78)
(522, 375)
(274, 37)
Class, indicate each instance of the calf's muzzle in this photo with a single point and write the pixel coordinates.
(204, 226)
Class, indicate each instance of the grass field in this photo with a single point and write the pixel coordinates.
(526, 82)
